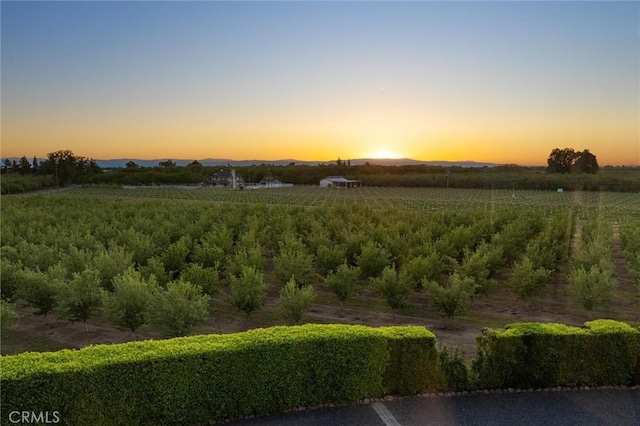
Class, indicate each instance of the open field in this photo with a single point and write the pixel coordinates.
(494, 309)
(615, 205)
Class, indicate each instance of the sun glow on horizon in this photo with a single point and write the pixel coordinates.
(384, 153)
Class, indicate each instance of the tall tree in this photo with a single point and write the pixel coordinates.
(24, 167)
(561, 160)
(586, 162)
(63, 164)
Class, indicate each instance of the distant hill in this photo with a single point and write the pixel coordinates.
(120, 162)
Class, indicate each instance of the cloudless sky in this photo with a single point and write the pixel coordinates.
(503, 82)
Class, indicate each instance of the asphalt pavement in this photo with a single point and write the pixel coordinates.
(602, 407)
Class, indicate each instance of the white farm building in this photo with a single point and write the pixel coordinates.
(339, 182)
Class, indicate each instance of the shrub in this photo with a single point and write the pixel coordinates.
(216, 377)
(528, 355)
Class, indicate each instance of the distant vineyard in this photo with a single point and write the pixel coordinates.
(615, 205)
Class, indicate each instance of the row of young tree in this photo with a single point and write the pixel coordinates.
(591, 280)
(186, 253)
(630, 241)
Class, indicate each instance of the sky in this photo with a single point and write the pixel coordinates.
(502, 82)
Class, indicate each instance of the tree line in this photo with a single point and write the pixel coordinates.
(566, 169)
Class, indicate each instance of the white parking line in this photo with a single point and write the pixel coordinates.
(385, 415)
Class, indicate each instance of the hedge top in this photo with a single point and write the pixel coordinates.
(601, 326)
(70, 360)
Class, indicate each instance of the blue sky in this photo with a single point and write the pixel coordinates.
(489, 81)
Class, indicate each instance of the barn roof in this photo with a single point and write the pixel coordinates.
(339, 179)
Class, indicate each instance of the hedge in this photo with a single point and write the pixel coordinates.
(216, 377)
(534, 355)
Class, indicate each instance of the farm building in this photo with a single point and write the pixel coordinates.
(225, 178)
(339, 182)
(272, 182)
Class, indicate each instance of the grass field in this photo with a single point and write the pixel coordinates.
(615, 205)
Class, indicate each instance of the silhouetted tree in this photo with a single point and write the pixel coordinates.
(63, 164)
(166, 164)
(131, 165)
(567, 160)
(561, 160)
(586, 162)
(24, 167)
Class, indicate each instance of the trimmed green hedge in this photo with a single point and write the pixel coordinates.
(215, 377)
(533, 355)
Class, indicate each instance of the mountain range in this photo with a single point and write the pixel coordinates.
(121, 162)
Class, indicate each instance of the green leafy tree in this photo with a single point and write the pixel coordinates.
(209, 255)
(81, 297)
(329, 257)
(76, 260)
(416, 269)
(111, 262)
(175, 257)
(293, 261)
(294, 301)
(343, 282)
(392, 288)
(128, 304)
(208, 279)
(39, 290)
(252, 257)
(155, 268)
(179, 309)
(373, 259)
(528, 281)
(10, 274)
(591, 288)
(476, 265)
(453, 298)
(8, 315)
(248, 290)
